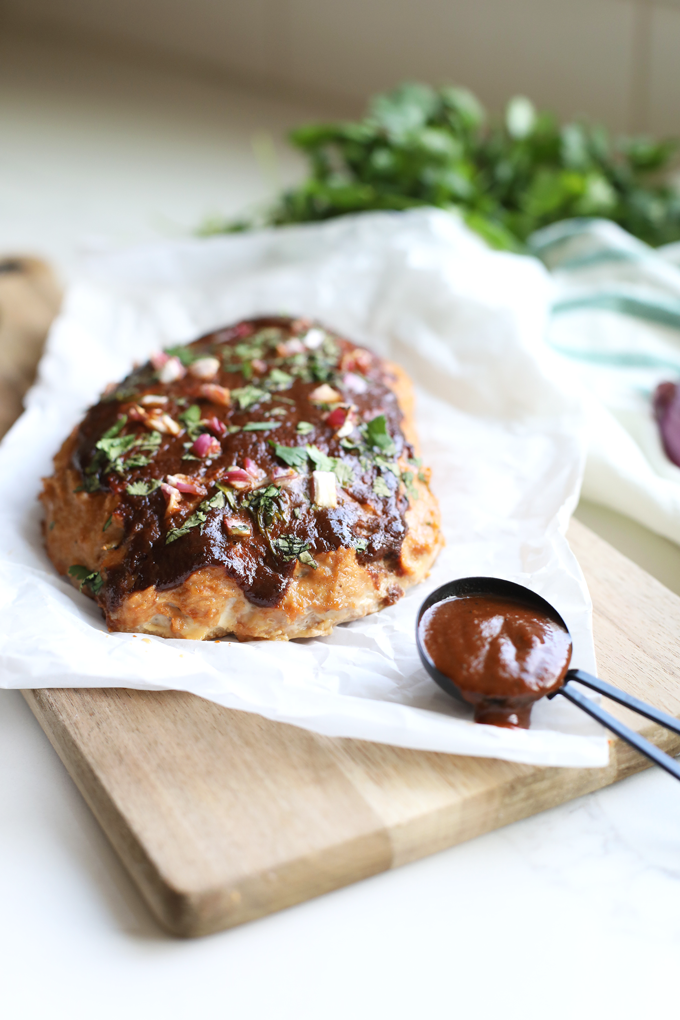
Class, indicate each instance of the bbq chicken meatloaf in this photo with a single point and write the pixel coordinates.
(262, 481)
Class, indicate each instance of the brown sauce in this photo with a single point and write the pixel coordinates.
(501, 654)
(372, 523)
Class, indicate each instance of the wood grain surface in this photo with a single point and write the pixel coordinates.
(221, 816)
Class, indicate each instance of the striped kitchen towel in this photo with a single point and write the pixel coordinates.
(615, 324)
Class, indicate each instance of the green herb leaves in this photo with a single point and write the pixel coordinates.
(265, 504)
(304, 428)
(248, 396)
(91, 578)
(380, 487)
(290, 547)
(421, 146)
(293, 456)
(142, 488)
(376, 435)
(110, 454)
(297, 457)
(198, 518)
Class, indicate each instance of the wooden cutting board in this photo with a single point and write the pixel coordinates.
(221, 816)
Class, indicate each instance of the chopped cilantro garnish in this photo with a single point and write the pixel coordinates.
(265, 504)
(107, 523)
(246, 396)
(380, 487)
(198, 518)
(278, 379)
(304, 428)
(92, 578)
(361, 545)
(321, 460)
(260, 426)
(294, 456)
(386, 465)
(191, 419)
(185, 354)
(343, 472)
(377, 435)
(407, 479)
(290, 547)
(142, 488)
(228, 494)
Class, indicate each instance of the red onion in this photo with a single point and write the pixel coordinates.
(354, 383)
(158, 359)
(216, 394)
(336, 419)
(183, 483)
(325, 394)
(667, 413)
(253, 469)
(171, 371)
(173, 498)
(204, 368)
(280, 474)
(206, 446)
(238, 478)
(236, 527)
(217, 427)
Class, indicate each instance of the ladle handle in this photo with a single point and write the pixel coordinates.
(609, 691)
(635, 740)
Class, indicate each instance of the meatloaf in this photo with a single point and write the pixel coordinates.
(262, 481)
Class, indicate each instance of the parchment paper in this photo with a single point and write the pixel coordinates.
(505, 439)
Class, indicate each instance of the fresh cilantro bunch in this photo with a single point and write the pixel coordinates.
(423, 146)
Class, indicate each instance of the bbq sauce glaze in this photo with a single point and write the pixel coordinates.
(250, 354)
(501, 654)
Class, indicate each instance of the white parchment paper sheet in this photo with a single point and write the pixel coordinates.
(503, 435)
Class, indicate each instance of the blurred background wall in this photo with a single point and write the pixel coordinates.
(614, 60)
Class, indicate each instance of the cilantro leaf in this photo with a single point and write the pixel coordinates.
(377, 435)
(265, 504)
(343, 472)
(380, 487)
(142, 488)
(198, 518)
(321, 460)
(260, 426)
(185, 354)
(279, 379)
(290, 547)
(92, 578)
(293, 456)
(304, 428)
(247, 396)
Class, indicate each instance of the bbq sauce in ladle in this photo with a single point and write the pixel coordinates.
(501, 654)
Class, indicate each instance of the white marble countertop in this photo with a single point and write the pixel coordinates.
(570, 913)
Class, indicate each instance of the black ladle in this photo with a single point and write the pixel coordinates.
(482, 586)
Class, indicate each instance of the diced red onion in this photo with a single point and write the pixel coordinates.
(162, 423)
(171, 371)
(173, 498)
(259, 365)
(183, 483)
(280, 474)
(204, 368)
(158, 359)
(325, 394)
(236, 527)
(136, 413)
(354, 383)
(336, 419)
(153, 398)
(206, 446)
(253, 469)
(238, 478)
(217, 427)
(216, 394)
(667, 413)
(289, 347)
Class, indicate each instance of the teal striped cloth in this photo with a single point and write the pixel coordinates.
(615, 326)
